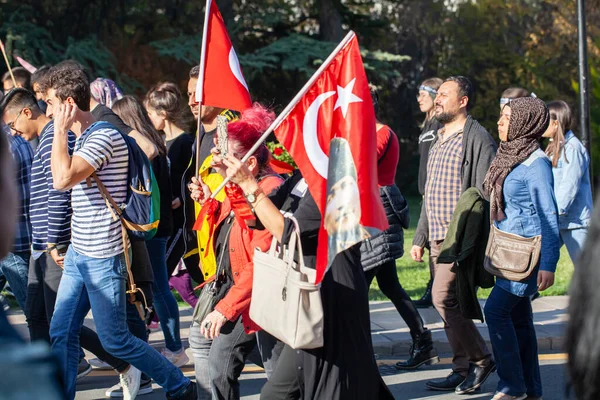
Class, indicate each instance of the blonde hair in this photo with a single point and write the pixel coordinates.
(561, 112)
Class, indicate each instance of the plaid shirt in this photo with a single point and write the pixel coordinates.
(23, 155)
(444, 183)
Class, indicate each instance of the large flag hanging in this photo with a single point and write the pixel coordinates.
(331, 136)
(221, 83)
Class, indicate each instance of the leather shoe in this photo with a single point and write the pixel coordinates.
(475, 378)
(449, 383)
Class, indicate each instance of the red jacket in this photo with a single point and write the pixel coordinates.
(242, 243)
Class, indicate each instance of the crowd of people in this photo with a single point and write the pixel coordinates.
(70, 137)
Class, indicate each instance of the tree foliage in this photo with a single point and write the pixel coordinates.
(280, 43)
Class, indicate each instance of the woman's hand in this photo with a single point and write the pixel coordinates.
(545, 279)
(212, 324)
(199, 190)
(176, 203)
(239, 174)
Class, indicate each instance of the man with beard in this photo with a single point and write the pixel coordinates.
(459, 158)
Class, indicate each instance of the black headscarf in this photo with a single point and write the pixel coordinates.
(529, 120)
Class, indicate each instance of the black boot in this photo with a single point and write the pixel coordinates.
(190, 393)
(425, 300)
(421, 352)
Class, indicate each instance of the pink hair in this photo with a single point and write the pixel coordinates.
(249, 128)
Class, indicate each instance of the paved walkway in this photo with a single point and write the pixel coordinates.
(391, 335)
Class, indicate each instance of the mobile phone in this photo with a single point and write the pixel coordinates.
(62, 249)
(222, 135)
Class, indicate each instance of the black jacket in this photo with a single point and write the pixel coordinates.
(389, 245)
(465, 246)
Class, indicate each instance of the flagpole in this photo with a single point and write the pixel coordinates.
(291, 105)
(200, 86)
(8, 64)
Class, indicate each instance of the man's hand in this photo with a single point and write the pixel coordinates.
(545, 279)
(416, 252)
(212, 324)
(58, 259)
(63, 119)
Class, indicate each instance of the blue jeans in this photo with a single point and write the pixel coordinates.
(99, 283)
(510, 322)
(15, 267)
(164, 301)
(574, 239)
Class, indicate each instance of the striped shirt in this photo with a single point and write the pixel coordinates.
(94, 232)
(50, 209)
(23, 156)
(444, 183)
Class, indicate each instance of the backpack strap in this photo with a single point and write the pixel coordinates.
(116, 213)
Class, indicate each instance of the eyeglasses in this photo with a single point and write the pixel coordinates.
(11, 124)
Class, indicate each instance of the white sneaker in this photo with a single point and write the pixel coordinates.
(178, 358)
(116, 392)
(99, 364)
(130, 382)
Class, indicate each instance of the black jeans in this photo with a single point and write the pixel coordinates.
(387, 279)
(42, 287)
(270, 349)
(285, 383)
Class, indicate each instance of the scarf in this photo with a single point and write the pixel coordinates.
(528, 121)
(105, 91)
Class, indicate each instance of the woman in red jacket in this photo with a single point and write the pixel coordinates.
(223, 339)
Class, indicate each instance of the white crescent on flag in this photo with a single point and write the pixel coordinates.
(234, 65)
(315, 153)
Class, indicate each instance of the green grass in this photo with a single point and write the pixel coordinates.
(414, 276)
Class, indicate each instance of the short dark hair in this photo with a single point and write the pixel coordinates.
(195, 72)
(465, 87)
(22, 76)
(69, 80)
(515, 93)
(19, 98)
(39, 75)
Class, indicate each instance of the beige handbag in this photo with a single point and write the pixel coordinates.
(285, 301)
(511, 256)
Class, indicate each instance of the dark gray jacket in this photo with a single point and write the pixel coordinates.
(479, 149)
(389, 245)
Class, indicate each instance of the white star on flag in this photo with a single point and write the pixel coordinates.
(345, 97)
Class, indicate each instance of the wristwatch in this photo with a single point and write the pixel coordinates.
(253, 196)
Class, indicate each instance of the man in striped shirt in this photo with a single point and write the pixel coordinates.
(15, 265)
(94, 267)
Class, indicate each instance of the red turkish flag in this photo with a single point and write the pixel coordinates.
(331, 136)
(222, 83)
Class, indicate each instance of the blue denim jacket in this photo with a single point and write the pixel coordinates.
(530, 209)
(572, 185)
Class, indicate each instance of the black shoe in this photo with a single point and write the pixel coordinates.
(421, 352)
(189, 394)
(475, 378)
(449, 383)
(425, 300)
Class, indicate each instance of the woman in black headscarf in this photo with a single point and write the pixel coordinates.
(519, 183)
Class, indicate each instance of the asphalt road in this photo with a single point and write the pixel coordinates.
(404, 385)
